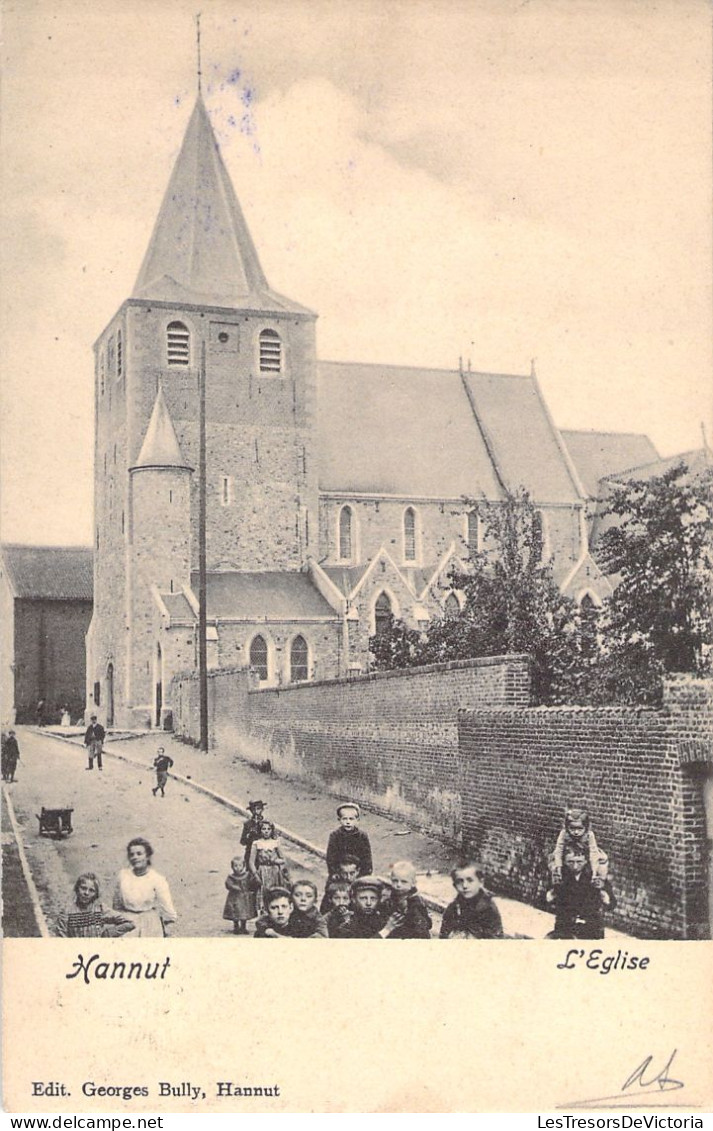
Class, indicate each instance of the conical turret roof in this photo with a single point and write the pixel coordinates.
(201, 250)
(161, 447)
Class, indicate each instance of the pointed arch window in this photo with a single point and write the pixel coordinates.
(258, 657)
(451, 606)
(383, 614)
(270, 352)
(299, 660)
(178, 344)
(410, 548)
(346, 524)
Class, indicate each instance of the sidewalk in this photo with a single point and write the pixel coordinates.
(306, 816)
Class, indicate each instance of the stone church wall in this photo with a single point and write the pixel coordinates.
(639, 772)
(388, 739)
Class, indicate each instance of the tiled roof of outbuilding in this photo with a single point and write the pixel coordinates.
(52, 573)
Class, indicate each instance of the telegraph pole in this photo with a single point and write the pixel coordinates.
(202, 587)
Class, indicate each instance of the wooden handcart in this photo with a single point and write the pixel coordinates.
(55, 822)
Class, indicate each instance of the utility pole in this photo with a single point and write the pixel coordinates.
(202, 587)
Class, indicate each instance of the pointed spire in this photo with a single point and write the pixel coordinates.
(201, 251)
(160, 447)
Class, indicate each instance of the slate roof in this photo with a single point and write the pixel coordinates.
(598, 454)
(52, 573)
(396, 430)
(524, 442)
(160, 447)
(269, 595)
(179, 608)
(201, 250)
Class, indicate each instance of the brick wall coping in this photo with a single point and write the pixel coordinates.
(567, 709)
(398, 673)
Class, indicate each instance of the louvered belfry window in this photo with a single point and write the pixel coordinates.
(178, 344)
(270, 352)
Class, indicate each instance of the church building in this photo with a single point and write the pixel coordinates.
(338, 494)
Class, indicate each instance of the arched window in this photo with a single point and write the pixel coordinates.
(270, 352)
(451, 606)
(382, 614)
(258, 657)
(409, 535)
(299, 660)
(473, 532)
(345, 534)
(178, 344)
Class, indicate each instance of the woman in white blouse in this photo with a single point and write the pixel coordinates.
(143, 894)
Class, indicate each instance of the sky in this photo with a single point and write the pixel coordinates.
(489, 180)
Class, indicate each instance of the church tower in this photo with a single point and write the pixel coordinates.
(200, 290)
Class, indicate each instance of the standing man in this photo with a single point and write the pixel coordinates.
(10, 756)
(94, 741)
(162, 764)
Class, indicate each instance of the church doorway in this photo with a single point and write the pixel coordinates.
(159, 686)
(110, 696)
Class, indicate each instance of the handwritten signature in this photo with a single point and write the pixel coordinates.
(643, 1081)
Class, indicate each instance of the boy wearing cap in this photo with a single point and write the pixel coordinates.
(251, 828)
(472, 914)
(275, 923)
(349, 840)
(370, 920)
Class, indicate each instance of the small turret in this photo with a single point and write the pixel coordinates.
(161, 505)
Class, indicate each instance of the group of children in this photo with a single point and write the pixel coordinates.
(356, 904)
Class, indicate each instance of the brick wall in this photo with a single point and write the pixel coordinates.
(388, 739)
(641, 774)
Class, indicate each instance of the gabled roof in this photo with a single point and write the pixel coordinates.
(161, 447)
(395, 430)
(52, 573)
(201, 250)
(598, 454)
(265, 595)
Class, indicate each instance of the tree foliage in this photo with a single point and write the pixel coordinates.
(660, 553)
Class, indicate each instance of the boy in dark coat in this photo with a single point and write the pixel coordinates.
(349, 840)
(339, 912)
(580, 899)
(347, 872)
(275, 923)
(370, 920)
(305, 920)
(472, 914)
(405, 900)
